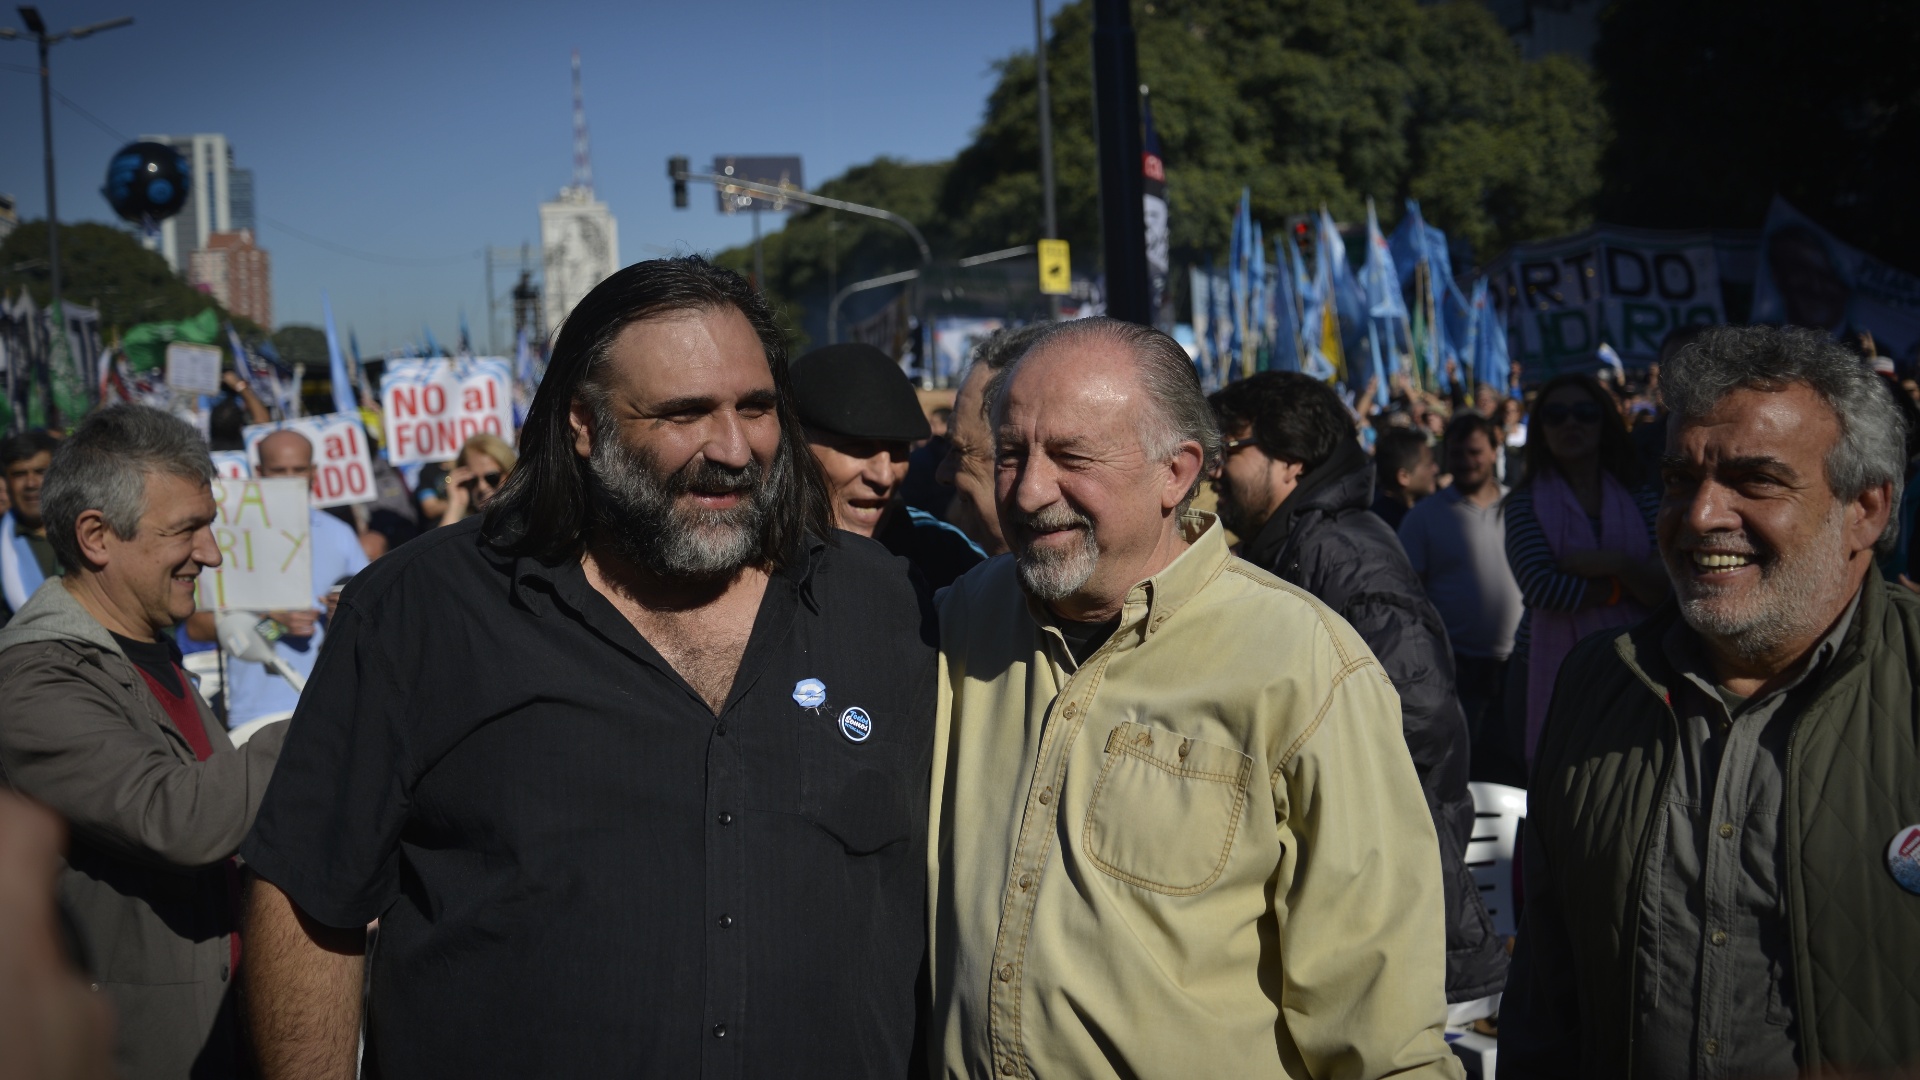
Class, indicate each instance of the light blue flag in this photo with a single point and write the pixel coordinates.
(1379, 277)
(1344, 293)
(1256, 296)
(1282, 317)
(336, 362)
(466, 340)
(1222, 292)
(1202, 305)
(1490, 346)
(433, 347)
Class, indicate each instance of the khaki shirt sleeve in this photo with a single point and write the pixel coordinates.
(66, 742)
(1359, 904)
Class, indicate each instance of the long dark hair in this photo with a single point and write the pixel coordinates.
(543, 509)
(1616, 446)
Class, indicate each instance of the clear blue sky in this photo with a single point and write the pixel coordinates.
(428, 130)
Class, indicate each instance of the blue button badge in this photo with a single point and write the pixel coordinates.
(855, 724)
(810, 693)
(1903, 855)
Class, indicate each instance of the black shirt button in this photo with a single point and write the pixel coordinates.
(720, 730)
(719, 1031)
(726, 818)
(726, 921)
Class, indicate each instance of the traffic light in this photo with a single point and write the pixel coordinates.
(677, 170)
(1303, 237)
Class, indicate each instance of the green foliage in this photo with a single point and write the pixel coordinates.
(823, 250)
(299, 344)
(1718, 104)
(1305, 102)
(106, 267)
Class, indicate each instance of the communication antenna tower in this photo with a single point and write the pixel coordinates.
(582, 162)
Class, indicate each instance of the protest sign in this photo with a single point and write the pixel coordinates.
(342, 464)
(1806, 277)
(266, 553)
(232, 465)
(431, 407)
(193, 369)
(1628, 288)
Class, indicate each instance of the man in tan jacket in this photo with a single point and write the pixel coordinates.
(1175, 827)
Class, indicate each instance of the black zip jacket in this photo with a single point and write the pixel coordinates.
(1324, 539)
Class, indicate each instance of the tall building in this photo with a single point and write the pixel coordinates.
(236, 273)
(579, 240)
(579, 247)
(221, 199)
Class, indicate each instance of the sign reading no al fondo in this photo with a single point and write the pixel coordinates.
(263, 529)
(431, 407)
(1628, 288)
(342, 462)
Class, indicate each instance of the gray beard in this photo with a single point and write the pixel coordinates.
(639, 511)
(1051, 575)
(1783, 606)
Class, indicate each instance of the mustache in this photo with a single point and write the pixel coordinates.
(1730, 543)
(1056, 516)
(704, 477)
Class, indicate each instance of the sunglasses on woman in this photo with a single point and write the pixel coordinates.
(491, 479)
(1586, 412)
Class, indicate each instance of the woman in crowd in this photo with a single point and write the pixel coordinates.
(483, 465)
(1579, 536)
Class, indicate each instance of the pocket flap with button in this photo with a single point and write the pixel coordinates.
(1166, 808)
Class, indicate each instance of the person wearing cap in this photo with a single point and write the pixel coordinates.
(862, 419)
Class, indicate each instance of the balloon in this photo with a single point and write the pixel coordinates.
(147, 182)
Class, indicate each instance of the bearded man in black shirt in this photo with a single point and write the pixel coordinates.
(632, 771)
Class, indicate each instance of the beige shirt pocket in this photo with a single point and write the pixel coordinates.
(1165, 810)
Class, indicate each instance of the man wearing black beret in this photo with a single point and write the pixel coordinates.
(862, 420)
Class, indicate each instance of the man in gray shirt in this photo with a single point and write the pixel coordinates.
(1456, 541)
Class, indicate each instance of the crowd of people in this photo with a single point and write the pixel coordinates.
(748, 717)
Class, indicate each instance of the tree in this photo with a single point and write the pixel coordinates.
(1306, 102)
(821, 250)
(299, 344)
(104, 266)
(1720, 104)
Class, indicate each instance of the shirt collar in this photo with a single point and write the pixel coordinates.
(1152, 602)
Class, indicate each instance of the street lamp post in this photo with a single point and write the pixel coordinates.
(1046, 134)
(1123, 226)
(37, 29)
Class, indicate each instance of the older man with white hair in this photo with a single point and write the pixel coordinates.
(1156, 849)
(1723, 852)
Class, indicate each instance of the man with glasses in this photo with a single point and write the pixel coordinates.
(254, 690)
(1295, 485)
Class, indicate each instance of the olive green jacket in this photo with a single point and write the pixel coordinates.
(1202, 853)
(1853, 781)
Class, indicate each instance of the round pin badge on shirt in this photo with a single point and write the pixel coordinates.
(1903, 858)
(855, 724)
(809, 693)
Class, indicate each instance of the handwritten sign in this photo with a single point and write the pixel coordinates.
(266, 550)
(232, 465)
(342, 464)
(193, 369)
(431, 407)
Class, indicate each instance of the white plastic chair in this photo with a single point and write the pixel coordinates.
(204, 666)
(1497, 813)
